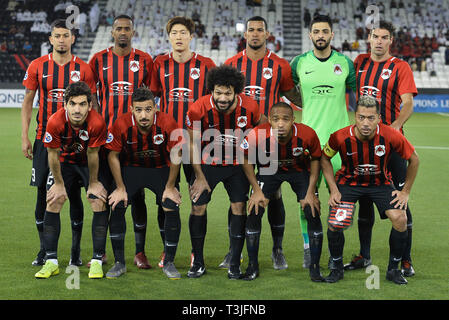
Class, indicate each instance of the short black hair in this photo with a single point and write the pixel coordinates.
(59, 23)
(142, 94)
(76, 89)
(367, 102)
(281, 105)
(186, 22)
(257, 18)
(123, 16)
(226, 76)
(321, 18)
(386, 26)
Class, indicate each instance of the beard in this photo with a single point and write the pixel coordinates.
(61, 52)
(322, 46)
(255, 47)
(229, 104)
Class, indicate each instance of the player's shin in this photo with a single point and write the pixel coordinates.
(252, 235)
(139, 215)
(365, 226)
(99, 233)
(117, 231)
(315, 235)
(276, 218)
(172, 228)
(161, 222)
(52, 229)
(397, 244)
(197, 228)
(237, 234)
(336, 242)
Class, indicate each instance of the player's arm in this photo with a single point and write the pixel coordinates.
(257, 197)
(27, 109)
(401, 197)
(95, 187)
(95, 104)
(57, 190)
(311, 199)
(119, 194)
(328, 172)
(294, 95)
(406, 111)
(200, 184)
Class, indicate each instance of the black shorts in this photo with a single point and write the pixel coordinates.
(107, 179)
(137, 178)
(233, 178)
(40, 170)
(270, 184)
(380, 195)
(398, 168)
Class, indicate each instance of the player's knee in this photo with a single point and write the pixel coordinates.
(96, 204)
(399, 220)
(198, 210)
(238, 208)
(57, 205)
(170, 206)
(313, 223)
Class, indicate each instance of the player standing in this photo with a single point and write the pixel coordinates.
(366, 149)
(267, 78)
(389, 80)
(179, 79)
(73, 138)
(50, 75)
(119, 70)
(323, 75)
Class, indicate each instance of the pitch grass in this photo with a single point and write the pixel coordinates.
(19, 240)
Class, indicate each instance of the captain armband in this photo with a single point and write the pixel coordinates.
(328, 151)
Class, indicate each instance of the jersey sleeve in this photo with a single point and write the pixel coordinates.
(194, 114)
(331, 148)
(294, 66)
(149, 65)
(89, 78)
(351, 79)
(249, 142)
(99, 132)
(406, 80)
(30, 80)
(314, 145)
(93, 64)
(52, 138)
(155, 82)
(114, 141)
(401, 145)
(286, 78)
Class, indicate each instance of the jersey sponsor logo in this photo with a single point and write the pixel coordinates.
(370, 91)
(242, 121)
(379, 150)
(121, 88)
(146, 154)
(56, 95)
(255, 92)
(337, 69)
(322, 90)
(267, 73)
(74, 148)
(75, 76)
(366, 170)
(134, 66)
(180, 94)
(48, 138)
(195, 73)
(110, 138)
(226, 140)
(297, 151)
(158, 139)
(386, 73)
(83, 135)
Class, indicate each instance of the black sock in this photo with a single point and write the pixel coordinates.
(139, 215)
(161, 222)
(229, 227)
(397, 244)
(365, 226)
(52, 229)
(315, 233)
(99, 233)
(406, 255)
(117, 231)
(76, 219)
(198, 227)
(336, 242)
(172, 231)
(39, 213)
(252, 235)
(276, 218)
(237, 239)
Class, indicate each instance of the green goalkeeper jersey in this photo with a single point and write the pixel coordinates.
(323, 89)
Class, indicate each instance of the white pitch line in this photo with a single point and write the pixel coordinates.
(432, 148)
(443, 114)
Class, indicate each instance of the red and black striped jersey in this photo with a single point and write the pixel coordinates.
(266, 78)
(117, 78)
(364, 163)
(221, 134)
(179, 85)
(73, 143)
(144, 150)
(262, 146)
(51, 79)
(386, 81)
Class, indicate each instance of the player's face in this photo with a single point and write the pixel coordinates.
(61, 39)
(366, 121)
(224, 97)
(180, 38)
(321, 35)
(143, 113)
(282, 119)
(256, 34)
(380, 42)
(77, 110)
(122, 32)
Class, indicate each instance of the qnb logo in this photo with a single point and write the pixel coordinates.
(56, 95)
(255, 92)
(145, 154)
(322, 90)
(370, 91)
(121, 88)
(226, 140)
(181, 94)
(366, 170)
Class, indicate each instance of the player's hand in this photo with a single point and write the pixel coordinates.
(118, 195)
(257, 199)
(334, 198)
(400, 198)
(27, 148)
(97, 189)
(396, 126)
(56, 192)
(197, 188)
(173, 194)
(311, 200)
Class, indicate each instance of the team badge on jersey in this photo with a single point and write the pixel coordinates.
(244, 145)
(386, 73)
(188, 122)
(379, 150)
(194, 73)
(267, 73)
(158, 139)
(48, 138)
(110, 138)
(75, 76)
(26, 76)
(297, 151)
(337, 69)
(242, 121)
(84, 135)
(134, 66)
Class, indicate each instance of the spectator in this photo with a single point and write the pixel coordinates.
(45, 47)
(355, 45)
(27, 47)
(4, 47)
(430, 65)
(196, 16)
(307, 18)
(272, 6)
(12, 47)
(215, 43)
(446, 55)
(94, 17)
(346, 46)
(81, 22)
